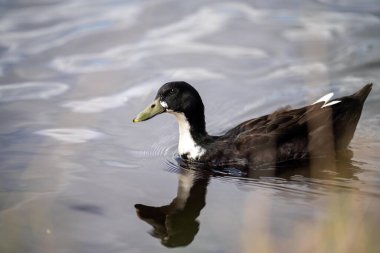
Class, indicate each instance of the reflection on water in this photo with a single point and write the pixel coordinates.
(175, 224)
(74, 73)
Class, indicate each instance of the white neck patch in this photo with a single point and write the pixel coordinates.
(186, 144)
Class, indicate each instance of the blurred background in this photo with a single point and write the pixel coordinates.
(74, 73)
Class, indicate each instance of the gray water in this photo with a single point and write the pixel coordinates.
(73, 166)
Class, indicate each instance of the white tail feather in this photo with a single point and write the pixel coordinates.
(331, 103)
(326, 99)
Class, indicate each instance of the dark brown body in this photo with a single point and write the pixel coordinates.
(287, 135)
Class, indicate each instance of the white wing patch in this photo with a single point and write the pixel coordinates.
(326, 99)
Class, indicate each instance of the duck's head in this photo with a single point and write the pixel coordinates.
(174, 97)
(182, 100)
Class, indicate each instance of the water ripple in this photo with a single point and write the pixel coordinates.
(100, 104)
(304, 70)
(328, 25)
(353, 5)
(31, 90)
(71, 135)
(192, 74)
(177, 38)
(156, 150)
(132, 55)
(92, 20)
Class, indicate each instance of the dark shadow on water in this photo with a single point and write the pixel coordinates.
(175, 224)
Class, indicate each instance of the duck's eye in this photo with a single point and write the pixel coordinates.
(170, 92)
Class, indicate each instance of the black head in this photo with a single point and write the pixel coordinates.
(177, 97)
(180, 97)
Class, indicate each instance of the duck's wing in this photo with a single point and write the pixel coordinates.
(293, 134)
(267, 123)
(263, 140)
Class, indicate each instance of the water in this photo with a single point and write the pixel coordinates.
(73, 166)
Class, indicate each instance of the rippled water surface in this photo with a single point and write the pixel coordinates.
(76, 175)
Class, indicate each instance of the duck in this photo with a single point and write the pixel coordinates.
(321, 129)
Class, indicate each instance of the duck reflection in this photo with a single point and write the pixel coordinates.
(175, 224)
(318, 168)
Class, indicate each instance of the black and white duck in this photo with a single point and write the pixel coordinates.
(316, 130)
